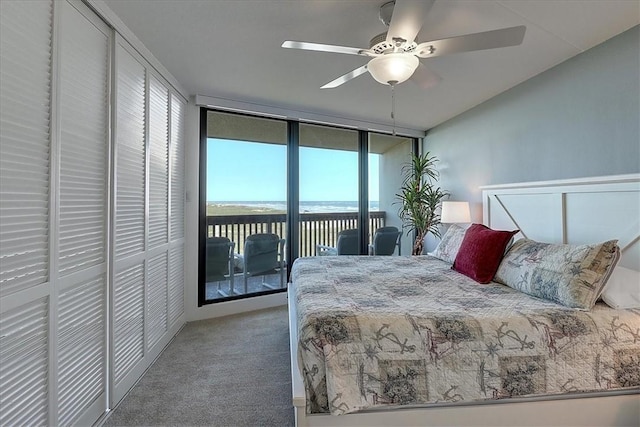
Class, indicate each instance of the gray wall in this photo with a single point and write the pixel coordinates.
(578, 119)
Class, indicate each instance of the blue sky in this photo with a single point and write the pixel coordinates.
(249, 171)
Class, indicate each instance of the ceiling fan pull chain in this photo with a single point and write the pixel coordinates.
(393, 107)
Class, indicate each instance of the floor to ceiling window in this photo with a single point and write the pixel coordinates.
(245, 187)
(273, 190)
(328, 189)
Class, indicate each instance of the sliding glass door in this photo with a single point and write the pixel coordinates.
(245, 182)
(329, 184)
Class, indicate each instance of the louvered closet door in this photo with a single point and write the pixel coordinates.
(157, 267)
(25, 66)
(130, 155)
(177, 168)
(176, 284)
(148, 273)
(82, 232)
(25, 115)
(157, 271)
(128, 319)
(129, 235)
(159, 163)
(176, 248)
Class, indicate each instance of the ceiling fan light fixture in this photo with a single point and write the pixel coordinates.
(393, 67)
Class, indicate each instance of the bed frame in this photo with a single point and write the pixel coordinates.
(573, 211)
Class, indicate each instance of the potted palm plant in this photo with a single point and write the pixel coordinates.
(420, 198)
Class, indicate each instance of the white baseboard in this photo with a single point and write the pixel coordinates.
(227, 308)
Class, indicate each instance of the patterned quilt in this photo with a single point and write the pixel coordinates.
(377, 331)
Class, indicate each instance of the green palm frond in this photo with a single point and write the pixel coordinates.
(420, 198)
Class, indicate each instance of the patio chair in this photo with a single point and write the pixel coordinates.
(385, 240)
(263, 254)
(347, 244)
(219, 262)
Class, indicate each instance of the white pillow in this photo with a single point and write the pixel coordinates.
(623, 288)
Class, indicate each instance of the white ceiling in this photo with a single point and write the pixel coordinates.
(231, 49)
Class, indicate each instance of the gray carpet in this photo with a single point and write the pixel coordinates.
(231, 371)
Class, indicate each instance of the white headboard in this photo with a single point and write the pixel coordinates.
(575, 211)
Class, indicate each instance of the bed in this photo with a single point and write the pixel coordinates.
(407, 340)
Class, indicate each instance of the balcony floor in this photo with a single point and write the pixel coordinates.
(254, 284)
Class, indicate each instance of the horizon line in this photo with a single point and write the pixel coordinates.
(284, 201)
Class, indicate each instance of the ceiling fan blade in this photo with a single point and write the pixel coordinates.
(407, 19)
(424, 77)
(343, 79)
(505, 37)
(322, 47)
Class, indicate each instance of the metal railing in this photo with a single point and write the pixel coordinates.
(315, 228)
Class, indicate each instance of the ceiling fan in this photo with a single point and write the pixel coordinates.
(395, 55)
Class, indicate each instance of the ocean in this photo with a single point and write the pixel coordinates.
(310, 207)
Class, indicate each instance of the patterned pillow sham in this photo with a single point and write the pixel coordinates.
(448, 248)
(571, 275)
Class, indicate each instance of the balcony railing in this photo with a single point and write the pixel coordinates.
(315, 228)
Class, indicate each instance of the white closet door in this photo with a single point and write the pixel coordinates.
(128, 320)
(24, 364)
(83, 111)
(176, 251)
(25, 115)
(148, 272)
(55, 226)
(128, 295)
(130, 155)
(81, 351)
(177, 168)
(157, 267)
(25, 66)
(83, 142)
(176, 284)
(156, 299)
(159, 163)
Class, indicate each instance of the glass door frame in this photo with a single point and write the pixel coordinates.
(293, 193)
(363, 192)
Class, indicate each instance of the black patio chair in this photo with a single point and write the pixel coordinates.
(219, 265)
(385, 240)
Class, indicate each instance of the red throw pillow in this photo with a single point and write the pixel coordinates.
(481, 251)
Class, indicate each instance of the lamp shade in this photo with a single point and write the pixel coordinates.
(393, 67)
(455, 212)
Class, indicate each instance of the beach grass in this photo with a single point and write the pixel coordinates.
(214, 209)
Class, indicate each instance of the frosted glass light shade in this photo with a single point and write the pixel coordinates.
(455, 213)
(393, 67)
